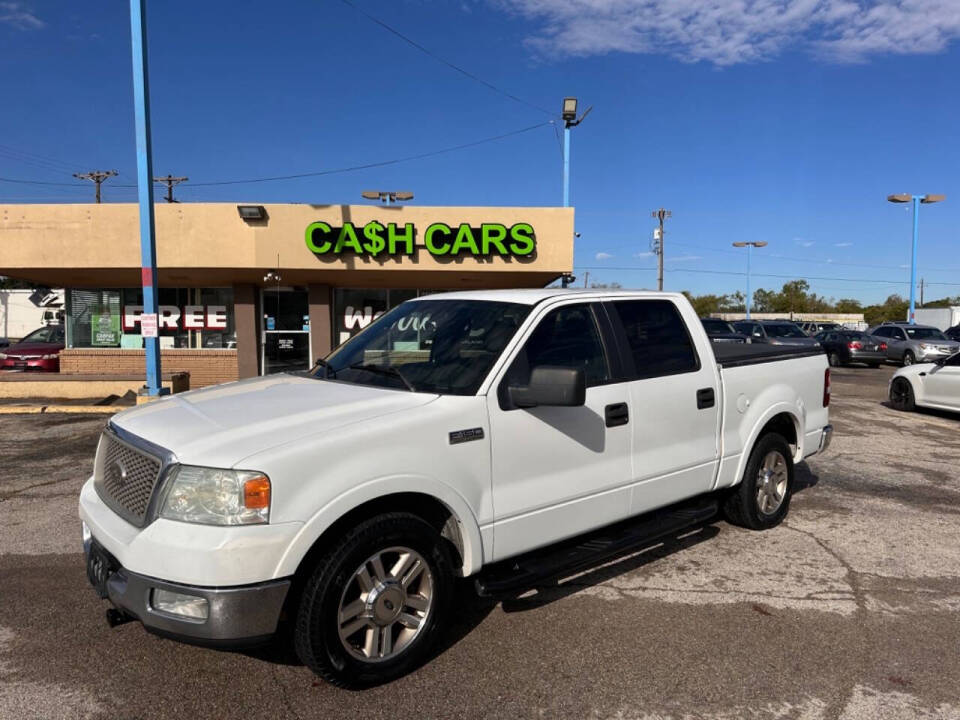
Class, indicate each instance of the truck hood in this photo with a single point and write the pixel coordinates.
(221, 425)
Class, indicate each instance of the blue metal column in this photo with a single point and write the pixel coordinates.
(148, 248)
(566, 167)
(913, 257)
(749, 251)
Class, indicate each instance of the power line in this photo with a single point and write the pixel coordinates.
(383, 163)
(756, 274)
(449, 64)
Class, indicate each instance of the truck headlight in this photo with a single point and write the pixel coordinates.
(215, 496)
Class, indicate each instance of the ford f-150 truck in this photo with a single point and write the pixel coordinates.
(461, 434)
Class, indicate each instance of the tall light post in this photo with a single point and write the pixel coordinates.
(917, 200)
(749, 246)
(570, 120)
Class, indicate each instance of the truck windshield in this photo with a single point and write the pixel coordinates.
(717, 326)
(435, 346)
(787, 330)
(919, 333)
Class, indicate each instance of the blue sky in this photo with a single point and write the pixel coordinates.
(787, 122)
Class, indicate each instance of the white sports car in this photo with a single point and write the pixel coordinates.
(932, 385)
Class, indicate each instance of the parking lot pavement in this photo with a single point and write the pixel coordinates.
(848, 610)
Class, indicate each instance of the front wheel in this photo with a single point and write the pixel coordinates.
(762, 498)
(834, 360)
(901, 395)
(375, 602)
(908, 358)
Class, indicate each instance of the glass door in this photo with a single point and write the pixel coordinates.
(285, 345)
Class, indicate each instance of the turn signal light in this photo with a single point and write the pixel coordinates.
(256, 493)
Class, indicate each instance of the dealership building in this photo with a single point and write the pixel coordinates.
(247, 290)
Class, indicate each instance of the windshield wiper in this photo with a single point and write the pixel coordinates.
(384, 370)
(328, 370)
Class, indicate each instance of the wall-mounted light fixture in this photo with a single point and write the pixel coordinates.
(252, 212)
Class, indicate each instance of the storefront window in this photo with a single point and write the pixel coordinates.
(353, 310)
(188, 318)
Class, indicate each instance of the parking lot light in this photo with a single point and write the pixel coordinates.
(749, 246)
(917, 201)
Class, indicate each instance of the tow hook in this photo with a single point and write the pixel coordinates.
(117, 617)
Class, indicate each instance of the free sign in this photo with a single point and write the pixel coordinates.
(171, 317)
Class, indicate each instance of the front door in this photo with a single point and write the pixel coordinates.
(559, 471)
(942, 384)
(286, 331)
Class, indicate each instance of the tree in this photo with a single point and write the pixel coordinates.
(848, 305)
(765, 301)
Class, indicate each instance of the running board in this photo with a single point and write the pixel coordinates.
(519, 574)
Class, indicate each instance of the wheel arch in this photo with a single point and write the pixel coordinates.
(781, 419)
(436, 503)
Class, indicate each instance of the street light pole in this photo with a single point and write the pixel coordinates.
(749, 246)
(916, 200)
(148, 246)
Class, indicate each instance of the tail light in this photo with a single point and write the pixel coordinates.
(854, 345)
(826, 387)
(883, 346)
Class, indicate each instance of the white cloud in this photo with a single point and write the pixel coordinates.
(643, 254)
(14, 13)
(728, 32)
(603, 256)
(843, 244)
(688, 258)
(804, 243)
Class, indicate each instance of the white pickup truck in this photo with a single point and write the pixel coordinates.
(461, 434)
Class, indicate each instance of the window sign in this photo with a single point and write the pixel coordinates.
(171, 317)
(442, 240)
(105, 329)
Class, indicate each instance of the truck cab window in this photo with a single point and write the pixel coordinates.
(565, 337)
(658, 338)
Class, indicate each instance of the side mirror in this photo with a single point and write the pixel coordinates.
(549, 385)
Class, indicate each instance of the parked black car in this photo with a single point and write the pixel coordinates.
(720, 331)
(774, 332)
(953, 333)
(850, 346)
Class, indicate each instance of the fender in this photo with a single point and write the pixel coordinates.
(356, 496)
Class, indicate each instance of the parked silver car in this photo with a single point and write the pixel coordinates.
(909, 344)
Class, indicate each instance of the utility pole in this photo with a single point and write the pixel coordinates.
(660, 215)
(97, 176)
(921, 292)
(586, 280)
(170, 181)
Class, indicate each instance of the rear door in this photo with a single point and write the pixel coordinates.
(674, 402)
(941, 385)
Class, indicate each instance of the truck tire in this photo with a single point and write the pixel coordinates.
(901, 395)
(908, 358)
(375, 601)
(762, 498)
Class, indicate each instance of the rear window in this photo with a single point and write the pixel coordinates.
(658, 338)
(856, 336)
(717, 326)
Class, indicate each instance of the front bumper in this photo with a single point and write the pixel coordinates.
(236, 615)
(933, 355)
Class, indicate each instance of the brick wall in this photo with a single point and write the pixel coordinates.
(206, 367)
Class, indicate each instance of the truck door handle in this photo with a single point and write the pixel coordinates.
(616, 414)
(705, 398)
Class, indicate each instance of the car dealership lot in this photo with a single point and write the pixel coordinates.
(847, 610)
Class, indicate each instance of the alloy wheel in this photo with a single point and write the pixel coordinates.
(772, 480)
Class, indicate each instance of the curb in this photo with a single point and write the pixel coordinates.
(46, 409)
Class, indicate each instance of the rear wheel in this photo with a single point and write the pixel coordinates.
(908, 358)
(375, 602)
(762, 499)
(834, 359)
(901, 395)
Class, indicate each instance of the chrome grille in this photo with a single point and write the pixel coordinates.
(125, 477)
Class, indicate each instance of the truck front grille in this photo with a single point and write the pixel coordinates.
(125, 477)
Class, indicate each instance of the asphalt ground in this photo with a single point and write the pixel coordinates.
(847, 610)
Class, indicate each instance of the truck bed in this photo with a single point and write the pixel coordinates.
(730, 355)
